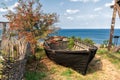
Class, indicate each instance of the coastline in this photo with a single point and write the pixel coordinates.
(97, 45)
(94, 34)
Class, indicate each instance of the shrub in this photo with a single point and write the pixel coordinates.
(89, 41)
(86, 40)
(71, 43)
(104, 44)
(30, 22)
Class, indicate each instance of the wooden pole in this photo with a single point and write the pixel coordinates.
(4, 28)
(112, 28)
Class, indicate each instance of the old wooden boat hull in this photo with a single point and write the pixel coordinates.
(77, 60)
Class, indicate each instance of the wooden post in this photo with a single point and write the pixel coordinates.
(4, 28)
(112, 28)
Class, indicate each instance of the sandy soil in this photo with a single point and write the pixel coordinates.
(99, 69)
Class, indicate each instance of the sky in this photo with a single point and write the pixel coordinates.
(74, 14)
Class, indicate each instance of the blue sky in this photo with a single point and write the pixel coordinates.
(77, 14)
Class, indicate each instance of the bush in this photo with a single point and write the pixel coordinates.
(89, 41)
(71, 43)
(86, 40)
(104, 44)
(79, 38)
(102, 51)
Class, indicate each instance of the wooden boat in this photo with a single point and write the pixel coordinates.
(77, 59)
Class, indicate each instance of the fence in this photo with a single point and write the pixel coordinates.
(14, 56)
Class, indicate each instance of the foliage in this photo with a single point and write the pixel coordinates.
(71, 43)
(30, 75)
(39, 54)
(102, 51)
(73, 37)
(86, 40)
(30, 22)
(79, 39)
(89, 41)
(104, 44)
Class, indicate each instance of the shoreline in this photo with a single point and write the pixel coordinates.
(97, 45)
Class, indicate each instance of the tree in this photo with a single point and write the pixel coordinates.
(30, 22)
(116, 8)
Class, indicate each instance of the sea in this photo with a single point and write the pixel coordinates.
(97, 35)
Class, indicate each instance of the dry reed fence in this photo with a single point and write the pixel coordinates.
(14, 56)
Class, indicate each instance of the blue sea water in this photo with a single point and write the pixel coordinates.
(0, 34)
(97, 35)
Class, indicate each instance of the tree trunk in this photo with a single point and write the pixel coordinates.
(112, 28)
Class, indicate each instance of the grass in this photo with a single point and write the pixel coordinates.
(53, 70)
(102, 51)
(33, 67)
(30, 75)
(57, 72)
(67, 72)
(114, 58)
(63, 73)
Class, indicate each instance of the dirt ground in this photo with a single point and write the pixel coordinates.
(99, 69)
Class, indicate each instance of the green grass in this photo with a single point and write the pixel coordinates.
(114, 58)
(67, 72)
(29, 75)
(39, 53)
(53, 70)
(102, 51)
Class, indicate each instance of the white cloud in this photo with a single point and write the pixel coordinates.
(7, 0)
(90, 16)
(70, 18)
(98, 9)
(3, 18)
(9, 7)
(85, 1)
(13, 6)
(2, 10)
(109, 4)
(72, 11)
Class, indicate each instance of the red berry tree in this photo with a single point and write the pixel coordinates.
(27, 20)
